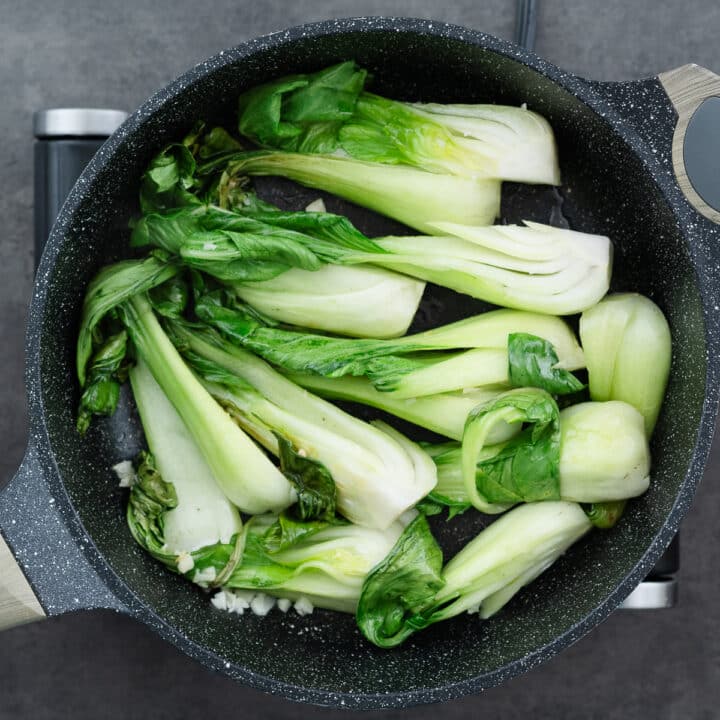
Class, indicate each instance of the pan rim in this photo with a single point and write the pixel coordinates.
(586, 93)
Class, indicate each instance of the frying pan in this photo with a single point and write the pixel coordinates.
(635, 165)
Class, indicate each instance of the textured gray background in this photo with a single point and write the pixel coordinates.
(98, 665)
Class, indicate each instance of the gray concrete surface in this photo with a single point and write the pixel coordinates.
(97, 665)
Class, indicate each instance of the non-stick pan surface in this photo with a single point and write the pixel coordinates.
(614, 143)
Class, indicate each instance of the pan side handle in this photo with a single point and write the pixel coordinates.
(18, 602)
(695, 94)
(44, 570)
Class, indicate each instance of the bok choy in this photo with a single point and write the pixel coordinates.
(410, 590)
(411, 196)
(325, 562)
(410, 367)
(329, 112)
(240, 321)
(530, 267)
(601, 456)
(377, 477)
(243, 472)
(176, 510)
(102, 341)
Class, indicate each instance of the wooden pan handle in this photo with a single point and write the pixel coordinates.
(688, 87)
(18, 602)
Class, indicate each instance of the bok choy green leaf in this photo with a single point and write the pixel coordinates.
(315, 487)
(533, 362)
(105, 374)
(113, 285)
(169, 180)
(401, 587)
(527, 467)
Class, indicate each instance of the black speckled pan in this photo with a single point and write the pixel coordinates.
(62, 516)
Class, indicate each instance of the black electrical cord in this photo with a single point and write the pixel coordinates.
(526, 23)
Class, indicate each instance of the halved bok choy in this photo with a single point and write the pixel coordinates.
(176, 510)
(593, 452)
(376, 476)
(411, 590)
(411, 196)
(323, 562)
(484, 351)
(531, 267)
(330, 112)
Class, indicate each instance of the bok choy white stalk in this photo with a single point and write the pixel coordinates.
(508, 555)
(377, 478)
(508, 142)
(410, 590)
(203, 515)
(604, 454)
(361, 301)
(529, 267)
(628, 348)
(411, 196)
(176, 510)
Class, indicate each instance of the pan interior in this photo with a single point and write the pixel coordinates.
(606, 190)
